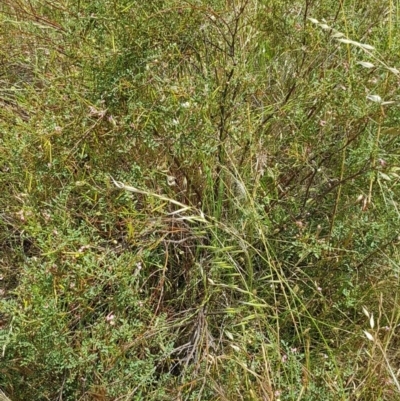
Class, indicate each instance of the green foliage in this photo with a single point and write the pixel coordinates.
(199, 200)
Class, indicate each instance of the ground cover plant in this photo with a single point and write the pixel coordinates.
(199, 200)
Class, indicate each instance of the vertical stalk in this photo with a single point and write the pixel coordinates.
(339, 192)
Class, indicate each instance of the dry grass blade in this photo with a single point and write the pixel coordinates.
(3, 397)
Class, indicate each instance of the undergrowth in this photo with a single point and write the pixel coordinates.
(199, 200)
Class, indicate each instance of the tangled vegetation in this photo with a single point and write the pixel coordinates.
(200, 200)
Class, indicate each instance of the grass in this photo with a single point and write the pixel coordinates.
(199, 200)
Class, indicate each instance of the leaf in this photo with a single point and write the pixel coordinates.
(325, 26)
(385, 176)
(372, 321)
(365, 311)
(345, 41)
(369, 336)
(365, 64)
(229, 334)
(235, 347)
(394, 70)
(364, 46)
(358, 44)
(374, 98)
